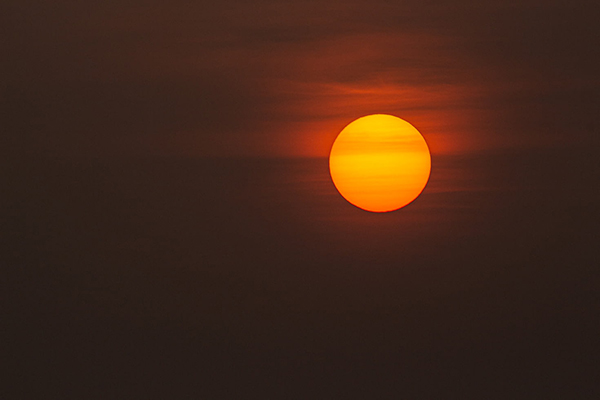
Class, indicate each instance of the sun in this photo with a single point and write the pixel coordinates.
(380, 163)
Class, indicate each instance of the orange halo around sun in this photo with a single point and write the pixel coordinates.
(380, 163)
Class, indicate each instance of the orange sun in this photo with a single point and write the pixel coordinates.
(380, 163)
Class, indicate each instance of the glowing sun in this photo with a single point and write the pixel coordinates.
(380, 163)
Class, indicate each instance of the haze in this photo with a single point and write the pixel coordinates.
(170, 229)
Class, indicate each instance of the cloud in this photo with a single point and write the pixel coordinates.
(281, 78)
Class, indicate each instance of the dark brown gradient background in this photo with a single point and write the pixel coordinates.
(170, 229)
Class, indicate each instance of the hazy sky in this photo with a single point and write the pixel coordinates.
(283, 78)
(207, 275)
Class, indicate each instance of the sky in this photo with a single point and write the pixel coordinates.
(280, 79)
(170, 228)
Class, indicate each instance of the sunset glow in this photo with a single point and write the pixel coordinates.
(380, 163)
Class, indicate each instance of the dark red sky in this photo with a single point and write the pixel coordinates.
(282, 78)
(164, 237)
